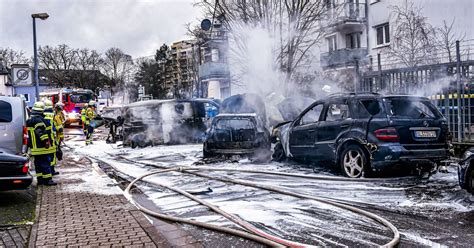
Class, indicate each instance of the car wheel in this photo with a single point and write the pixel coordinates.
(470, 181)
(206, 154)
(353, 161)
(279, 153)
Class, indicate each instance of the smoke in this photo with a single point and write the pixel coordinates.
(434, 87)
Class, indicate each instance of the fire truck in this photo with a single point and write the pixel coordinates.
(73, 99)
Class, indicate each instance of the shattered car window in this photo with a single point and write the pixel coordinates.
(312, 115)
(337, 112)
(411, 108)
(235, 124)
(372, 106)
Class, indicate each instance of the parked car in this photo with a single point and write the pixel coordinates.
(13, 132)
(156, 122)
(237, 134)
(466, 171)
(366, 132)
(14, 172)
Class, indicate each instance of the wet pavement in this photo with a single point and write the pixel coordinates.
(435, 212)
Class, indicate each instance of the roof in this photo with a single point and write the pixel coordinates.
(161, 101)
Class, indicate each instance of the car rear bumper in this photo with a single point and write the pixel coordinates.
(389, 154)
(15, 182)
(232, 151)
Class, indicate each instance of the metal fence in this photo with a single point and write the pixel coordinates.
(449, 84)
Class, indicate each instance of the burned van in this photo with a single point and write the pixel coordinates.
(157, 122)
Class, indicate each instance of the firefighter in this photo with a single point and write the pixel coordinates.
(59, 120)
(39, 143)
(49, 120)
(83, 118)
(90, 115)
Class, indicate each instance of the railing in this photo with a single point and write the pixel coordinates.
(213, 70)
(344, 13)
(342, 57)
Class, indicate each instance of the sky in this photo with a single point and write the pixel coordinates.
(138, 27)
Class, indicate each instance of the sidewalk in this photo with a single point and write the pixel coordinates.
(87, 209)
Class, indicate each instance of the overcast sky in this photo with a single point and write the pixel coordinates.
(138, 27)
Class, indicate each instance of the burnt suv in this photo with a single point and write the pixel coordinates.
(237, 134)
(362, 133)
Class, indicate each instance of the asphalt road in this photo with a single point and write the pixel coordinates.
(427, 213)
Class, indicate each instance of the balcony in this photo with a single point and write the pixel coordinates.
(346, 16)
(210, 70)
(343, 57)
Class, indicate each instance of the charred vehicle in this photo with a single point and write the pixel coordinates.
(113, 120)
(242, 134)
(466, 171)
(156, 122)
(239, 129)
(366, 132)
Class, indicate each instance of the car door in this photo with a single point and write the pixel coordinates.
(303, 133)
(336, 120)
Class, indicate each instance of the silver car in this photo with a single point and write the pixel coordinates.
(13, 116)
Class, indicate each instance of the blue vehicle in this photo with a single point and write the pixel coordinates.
(366, 132)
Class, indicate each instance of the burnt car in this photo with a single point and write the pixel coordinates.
(237, 134)
(14, 172)
(362, 133)
(155, 122)
(466, 171)
(113, 120)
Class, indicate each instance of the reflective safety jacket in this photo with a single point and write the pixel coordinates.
(59, 120)
(49, 121)
(38, 136)
(83, 114)
(90, 114)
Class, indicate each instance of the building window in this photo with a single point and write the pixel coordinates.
(353, 40)
(332, 43)
(383, 34)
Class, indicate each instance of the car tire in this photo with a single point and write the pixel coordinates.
(353, 161)
(206, 154)
(278, 153)
(470, 180)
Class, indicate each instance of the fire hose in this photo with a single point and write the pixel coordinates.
(396, 236)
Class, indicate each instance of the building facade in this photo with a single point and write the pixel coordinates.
(359, 32)
(214, 74)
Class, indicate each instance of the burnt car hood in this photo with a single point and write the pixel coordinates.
(244, 103)
(291, 107)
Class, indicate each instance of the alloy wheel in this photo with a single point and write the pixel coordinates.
(353, 163)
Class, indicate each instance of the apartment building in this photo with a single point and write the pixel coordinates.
(359, 30)
(214, 74)
(182, 76)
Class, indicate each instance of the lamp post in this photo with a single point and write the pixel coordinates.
(42, 16)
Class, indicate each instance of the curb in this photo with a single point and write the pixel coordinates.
(34, 229)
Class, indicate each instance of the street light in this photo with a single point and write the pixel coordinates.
(42, 16)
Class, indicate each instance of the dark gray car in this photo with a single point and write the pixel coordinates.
(366, 132)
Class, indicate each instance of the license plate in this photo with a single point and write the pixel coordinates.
(425, 134)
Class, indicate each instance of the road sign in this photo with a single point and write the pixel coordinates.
(22, 75)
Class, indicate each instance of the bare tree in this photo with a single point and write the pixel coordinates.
(8, 56)
(58, 63)
(446, 39)
(118, 67)
(294, 24)
(414, 38)
(87, 65)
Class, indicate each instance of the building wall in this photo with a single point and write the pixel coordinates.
(4, 88)
(435, 11)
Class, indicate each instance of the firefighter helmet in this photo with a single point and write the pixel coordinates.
(92, 103)
(38, 106)
(59, 105)
(48, 104)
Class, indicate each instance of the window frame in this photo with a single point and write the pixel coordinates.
(332, 43)
(385, 27)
